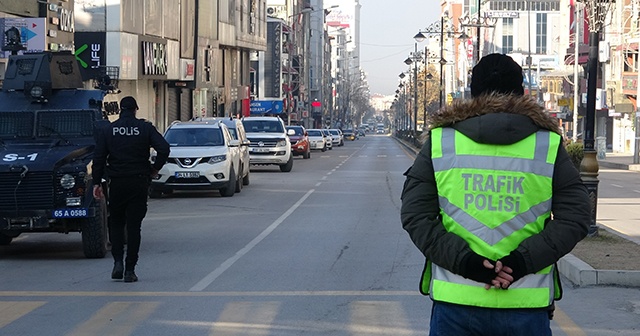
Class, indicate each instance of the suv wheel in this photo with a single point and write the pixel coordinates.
(239, 182)
(154, 193)
(287, 166)
(94, 233)
(245, 180)
(306, 154)
(230, 189)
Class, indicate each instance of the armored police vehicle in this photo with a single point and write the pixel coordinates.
(47, 123)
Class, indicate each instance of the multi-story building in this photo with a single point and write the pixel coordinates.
(176, 60)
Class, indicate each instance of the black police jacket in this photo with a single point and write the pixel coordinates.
(122, 147)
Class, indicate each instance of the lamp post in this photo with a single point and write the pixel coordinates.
(414, 59)
(477, 22)
(597, 11)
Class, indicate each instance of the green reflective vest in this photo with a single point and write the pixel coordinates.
(494, 197)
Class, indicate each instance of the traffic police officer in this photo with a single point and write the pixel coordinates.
(122, 149)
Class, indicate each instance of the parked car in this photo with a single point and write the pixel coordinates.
(349, 135)
(236, 129)
(328, 138)
(299, 141)
(336, 137)
(270, 144)
(203, 156)
(317, 139)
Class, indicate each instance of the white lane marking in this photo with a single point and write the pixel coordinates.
(638, 191)
(324, 178)
(211, 277)
(382, 156)
(617, 185)
(318, 184)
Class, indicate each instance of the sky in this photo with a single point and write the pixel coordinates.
(387, 28)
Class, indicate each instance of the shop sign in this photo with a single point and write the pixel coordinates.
(90, 53)
(154, 58)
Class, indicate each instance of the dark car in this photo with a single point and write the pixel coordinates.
(299, 141)
(349, 135)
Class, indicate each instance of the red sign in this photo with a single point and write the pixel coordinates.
(316, 104)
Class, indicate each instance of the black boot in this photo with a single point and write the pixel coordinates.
(118, 269)
(130, 276)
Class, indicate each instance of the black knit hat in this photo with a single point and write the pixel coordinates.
(496, 73)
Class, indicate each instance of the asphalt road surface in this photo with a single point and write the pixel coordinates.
(317, 251)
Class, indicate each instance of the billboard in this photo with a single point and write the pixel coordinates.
(32, 33)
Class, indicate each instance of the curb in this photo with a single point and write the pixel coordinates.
(581, 274)
(574, 269)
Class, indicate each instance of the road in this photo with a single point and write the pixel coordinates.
(318, 251)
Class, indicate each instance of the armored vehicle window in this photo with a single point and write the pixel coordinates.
(16, 124)
(66, 123)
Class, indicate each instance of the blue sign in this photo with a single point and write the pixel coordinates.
(266, 106)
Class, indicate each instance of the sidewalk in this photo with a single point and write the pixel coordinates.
(619, 161)
(576, 270)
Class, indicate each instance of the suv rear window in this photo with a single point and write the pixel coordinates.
(297, 129)
(265, 126)
(182, 137)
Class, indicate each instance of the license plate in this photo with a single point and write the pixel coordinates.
(187, 174)
(261, 150)
(70, 213)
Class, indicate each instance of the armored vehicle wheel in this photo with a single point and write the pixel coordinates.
(287, 166)
(94, 233)
(230, 189)
(5, 240)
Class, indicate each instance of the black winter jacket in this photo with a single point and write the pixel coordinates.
(123, 148)
(495, 119)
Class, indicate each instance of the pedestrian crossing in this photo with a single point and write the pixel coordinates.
(241, 318)
(225, 314)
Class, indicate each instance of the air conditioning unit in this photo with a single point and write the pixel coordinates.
(277, 11)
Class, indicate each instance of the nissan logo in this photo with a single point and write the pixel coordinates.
(260, 144)
(187, 161)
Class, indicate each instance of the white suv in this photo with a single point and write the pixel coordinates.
(270, 144)
(203, 156)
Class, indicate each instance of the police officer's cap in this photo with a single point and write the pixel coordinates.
(128, 103)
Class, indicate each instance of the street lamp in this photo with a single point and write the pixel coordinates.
(597, 11)
(477, 22)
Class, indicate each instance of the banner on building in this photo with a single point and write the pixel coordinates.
(32, 34)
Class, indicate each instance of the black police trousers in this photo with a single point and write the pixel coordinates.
(127, 208)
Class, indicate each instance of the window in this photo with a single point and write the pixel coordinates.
(541, 33)
(507, 35)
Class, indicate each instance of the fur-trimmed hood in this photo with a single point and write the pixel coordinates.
(496, 118)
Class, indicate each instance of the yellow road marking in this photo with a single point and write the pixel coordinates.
(234, 317)
(13, 310)
(202, 294)
(378, 318)
(566, 324)
(116, 318)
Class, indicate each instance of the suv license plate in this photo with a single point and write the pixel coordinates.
(187, 174)
(70, 213)
(261, 150)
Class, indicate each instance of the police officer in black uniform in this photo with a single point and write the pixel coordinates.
(122, 148)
